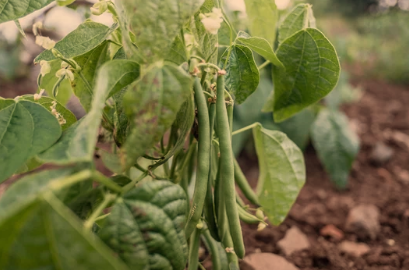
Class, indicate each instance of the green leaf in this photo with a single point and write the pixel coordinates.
(47, 103)
(183, 124)
(177, 53)
(82, 40)
(29, 187)
(26, 129)
(64, 2)
(78, 142)
(49, 80)
(242, 76)
(146, 229)
(84, 81)
(336, 144)
(311, 72)
(299, 18)
(152, 104)
(117, 74)
(207, 42)
(15, 9)
(297, 128)
(260, 46)
(282, 172)
(44, 234)
(158, 23)
(262, 16)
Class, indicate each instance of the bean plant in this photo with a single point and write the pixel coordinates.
(159, 87)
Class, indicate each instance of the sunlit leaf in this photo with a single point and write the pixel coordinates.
(15, 9)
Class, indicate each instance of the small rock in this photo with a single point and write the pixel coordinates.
(363, 220)
(333, 232)
(263, 261)
(294, 240)
(354, 249)
(381, 153)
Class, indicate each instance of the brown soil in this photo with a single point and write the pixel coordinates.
(382, 115)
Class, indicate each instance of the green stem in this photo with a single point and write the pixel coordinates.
(212, 248)
(246, 128)
(186, 162)
(129, 186)
(266, 63)
(210, 65)
(91, 220)
(70, 180)
(100, 178)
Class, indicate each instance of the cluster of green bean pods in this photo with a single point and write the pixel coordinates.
(216, 210)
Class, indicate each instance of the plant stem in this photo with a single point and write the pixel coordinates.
(245, 128)
(100, 178)
(107, 200)
(70, 180)
(129, 186)
(266, 63)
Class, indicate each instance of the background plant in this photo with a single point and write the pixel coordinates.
(161, 84)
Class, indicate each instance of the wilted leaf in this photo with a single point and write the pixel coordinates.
(158, 23)
(152, 104)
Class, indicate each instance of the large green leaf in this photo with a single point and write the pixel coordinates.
(29, 187)
(152, 103)
(146, 229)
(311, 72)
(14, 9)
(49, 80)
(336, 144)
(297, 128)
(158, 23)
(177, 53)
(78, 142)
(242, 73)
(44, 234)
(282, 172)
(26, 129)
(84, 82)
(82, 40)
(47, 103)
(260, 46)
(299, 18)
(262, 16)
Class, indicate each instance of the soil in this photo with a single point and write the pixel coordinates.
(381, 116)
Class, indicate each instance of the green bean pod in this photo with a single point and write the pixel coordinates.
(243, 184)
(247, 217)
(194, 250)
(211, 245)
(203, 160)
(209, 202)
(227, 186)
